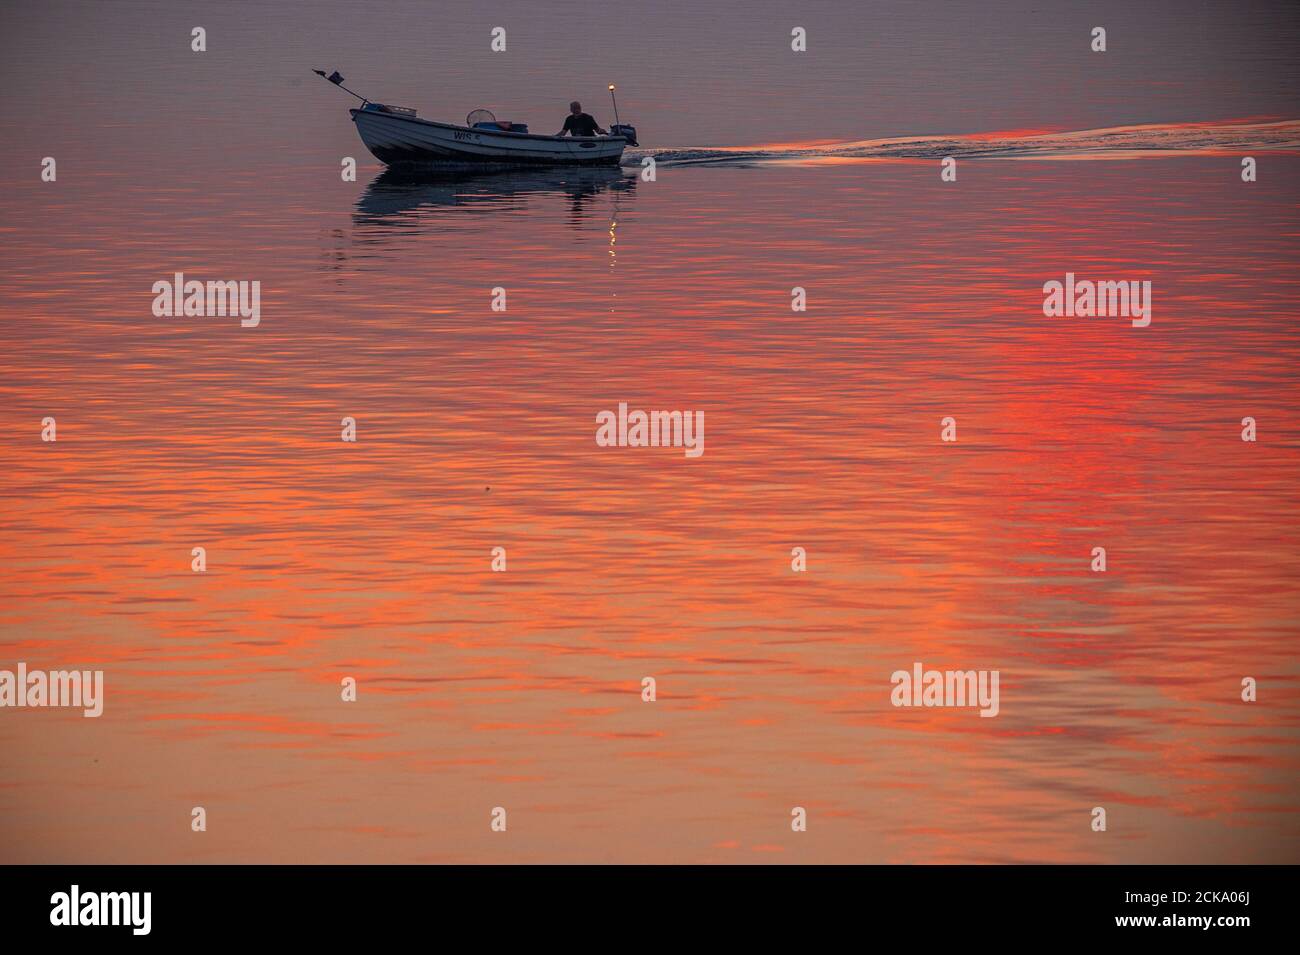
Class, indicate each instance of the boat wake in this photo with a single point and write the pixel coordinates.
(1116, 142)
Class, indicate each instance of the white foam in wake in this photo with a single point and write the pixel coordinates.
(1116, 142)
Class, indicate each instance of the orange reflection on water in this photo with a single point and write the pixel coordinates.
(476, 429)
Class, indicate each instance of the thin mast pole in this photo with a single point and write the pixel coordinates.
(615, 99)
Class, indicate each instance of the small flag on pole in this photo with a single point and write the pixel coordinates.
(334, 77)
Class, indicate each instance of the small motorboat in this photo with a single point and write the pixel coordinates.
(397, 136)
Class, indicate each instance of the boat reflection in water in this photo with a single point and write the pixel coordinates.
(406, 199)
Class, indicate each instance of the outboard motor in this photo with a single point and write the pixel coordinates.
(620, 128)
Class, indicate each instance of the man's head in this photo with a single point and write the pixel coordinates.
(575, 107)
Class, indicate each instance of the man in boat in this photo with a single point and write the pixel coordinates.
(578, 123)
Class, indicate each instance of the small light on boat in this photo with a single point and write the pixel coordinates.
(611, 87)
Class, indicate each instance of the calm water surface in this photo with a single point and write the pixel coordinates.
(476, 430)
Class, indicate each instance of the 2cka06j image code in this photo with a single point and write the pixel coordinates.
(1180, 897)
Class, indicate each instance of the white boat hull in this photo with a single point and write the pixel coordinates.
(400, 140)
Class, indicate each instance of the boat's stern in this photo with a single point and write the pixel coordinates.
(626, 130)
